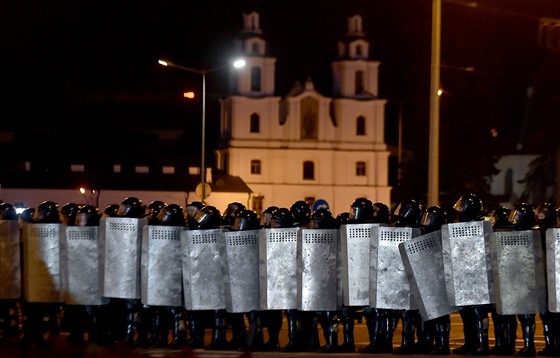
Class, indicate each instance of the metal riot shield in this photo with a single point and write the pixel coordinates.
(120, 241)
(278, 268)
(10, 268)
(467, 262)
(241, 280)
(42, 269)
(518, 272)
(355, 241)
(161, 266)
(388, 286)
(553, 268)
(317, 276)
(82, 266)
(203, 253)
(423, 262)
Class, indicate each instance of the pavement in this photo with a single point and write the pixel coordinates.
(58, 346)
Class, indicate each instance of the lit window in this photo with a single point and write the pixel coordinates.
(142, 169)
(359, 89)
(77, 168)
(255, 166)
(308, 170)
(360, 126)
(168, 170)
(360, 169)
(255, 123)
(116, 168)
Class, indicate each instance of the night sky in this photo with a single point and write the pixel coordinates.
(66, 64)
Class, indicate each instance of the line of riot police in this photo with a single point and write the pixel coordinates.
(136, 273)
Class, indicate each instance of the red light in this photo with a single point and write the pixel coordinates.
(188, 95)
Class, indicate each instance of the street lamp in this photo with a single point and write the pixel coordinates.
(237, 64)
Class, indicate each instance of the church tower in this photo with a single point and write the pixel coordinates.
(306, 146)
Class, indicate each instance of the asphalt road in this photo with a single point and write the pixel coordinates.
(59, 347)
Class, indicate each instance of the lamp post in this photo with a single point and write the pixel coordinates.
(237, 64)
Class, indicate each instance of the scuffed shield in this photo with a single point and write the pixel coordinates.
(355, 242)
(278, 268)
(467, 263)
(241, 281)
(389, 287)
(161, 266)
(120, 241)
(10, 268)
(423, 262)
(81, 253)
(42, 269)
(317, 277)
(518, 272)
(203, 253)
(553, 268)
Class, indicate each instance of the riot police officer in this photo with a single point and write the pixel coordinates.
(408, 214)
(9, 320)
(522, 217)
(546, 216)
(475, 317)
(505, 326)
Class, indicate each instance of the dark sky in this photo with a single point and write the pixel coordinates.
(90, 60)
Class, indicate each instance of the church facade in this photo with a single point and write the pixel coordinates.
(327, 151)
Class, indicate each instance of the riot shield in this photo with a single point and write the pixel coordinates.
(389, 287)
(241, 281)
(120, 241)
(467, 263)
(356, 241)
(278, 268)
(204, 261)
(317, 277)
(553, 268)
(423, 262)
(42, 269)
(518, 272)
(161, 266)
(82, 266)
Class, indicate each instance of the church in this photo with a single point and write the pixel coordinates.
(302, 145)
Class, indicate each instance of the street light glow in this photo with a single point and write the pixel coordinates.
(239, 63)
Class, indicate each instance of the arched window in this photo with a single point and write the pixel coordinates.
(360, 169)
(360, 126)
(255, 48)
(255, 123)
(308, 170)
(359, 82)
(255, 79)
(359, 51)
(255, 166)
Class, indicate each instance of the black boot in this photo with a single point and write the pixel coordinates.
(481, 339)
(196, 323)
(273, 321)
(347, 330)
(76, 320)
(255, 337)
(442, 329)
(375, 323)
(548, 333)
(510, 334)
(239, 331)
(468, 332)
(408, 331)
(219, 340)
(294, 331)
(329, 322)
(528, 330)
(310, 321)
(159, 327)
(132, 312)
(178, 326)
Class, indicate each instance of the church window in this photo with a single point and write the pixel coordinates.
(309, 118)
(255, 166)
(255, 48)
(308, 170)
(255, 123)
(360, 125)
(255, 79)
(360, 169)
(359, 51)
(359, 82)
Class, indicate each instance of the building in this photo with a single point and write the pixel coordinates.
(305, 146)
